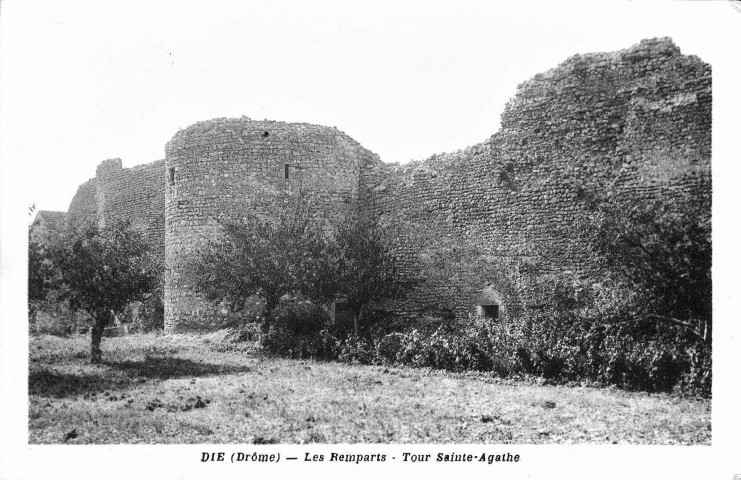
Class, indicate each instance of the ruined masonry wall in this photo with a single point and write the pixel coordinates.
(485, 222)
(83, 207)
(135, 194)
(499, 213)
(223, 167)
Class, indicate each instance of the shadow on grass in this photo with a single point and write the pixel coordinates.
(50, 383)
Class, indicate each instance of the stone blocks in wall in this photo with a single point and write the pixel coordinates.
(491, 218)
(133, 194)
(497, 214)
(222, 169)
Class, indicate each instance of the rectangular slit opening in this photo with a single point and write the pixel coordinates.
(489, 311)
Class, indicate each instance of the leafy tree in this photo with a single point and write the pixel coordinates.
(268, 258)
(43, 278)
(366, 269)
(642, 316)
(659, 254)
(101, 271)
(296, 255)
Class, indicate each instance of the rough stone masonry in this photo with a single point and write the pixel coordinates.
(638, 120)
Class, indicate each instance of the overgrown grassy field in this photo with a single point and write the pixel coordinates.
(198, 389)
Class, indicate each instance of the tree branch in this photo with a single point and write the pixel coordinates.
(683, 323)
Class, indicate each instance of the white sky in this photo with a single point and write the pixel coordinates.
(85, 81)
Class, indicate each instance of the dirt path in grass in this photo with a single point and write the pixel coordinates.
(183, 389)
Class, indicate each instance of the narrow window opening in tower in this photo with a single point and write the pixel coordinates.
(171, 176)
(265, 134)
(285, 171)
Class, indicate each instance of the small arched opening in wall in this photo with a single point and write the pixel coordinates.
(489, 305)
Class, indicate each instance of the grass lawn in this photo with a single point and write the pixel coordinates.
(190, 389)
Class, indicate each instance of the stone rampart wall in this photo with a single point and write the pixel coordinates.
(83, 207)
(220, 169)
(134, 194)
(486, 222)
(500, 213)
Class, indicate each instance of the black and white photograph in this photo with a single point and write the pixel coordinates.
(272, 239)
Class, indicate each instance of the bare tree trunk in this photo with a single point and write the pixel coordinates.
(267, 312)
(356, 318)
(708, 333)
(101, 320)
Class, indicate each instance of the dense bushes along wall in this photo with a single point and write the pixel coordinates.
(556, 347)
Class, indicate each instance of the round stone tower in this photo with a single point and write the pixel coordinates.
(220, 169)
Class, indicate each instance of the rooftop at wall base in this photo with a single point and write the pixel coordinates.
(490, 218)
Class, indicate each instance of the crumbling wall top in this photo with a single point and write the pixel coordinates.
(108, 166)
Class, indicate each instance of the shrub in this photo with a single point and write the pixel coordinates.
(57, 320)
(299, 317)
(246, 332)
(145, 316)
(389, 347)
(151, 316)
(444, 349)
(560, 347)
(299, 329)
(632, 355)
(355, 349)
